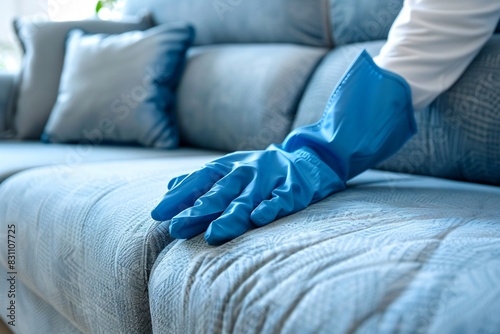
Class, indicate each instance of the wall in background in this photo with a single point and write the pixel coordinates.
(57, 10)
(9, 49)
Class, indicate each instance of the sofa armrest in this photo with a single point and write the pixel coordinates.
(7, 92)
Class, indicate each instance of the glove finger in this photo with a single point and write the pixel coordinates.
(282, 203)
(195, 220)
(175, 181)
(235, 220)
(185, 193)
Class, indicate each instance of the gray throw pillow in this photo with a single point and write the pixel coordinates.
(43, 44)
(119, 88)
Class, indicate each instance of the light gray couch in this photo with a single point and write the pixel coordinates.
(394, 253)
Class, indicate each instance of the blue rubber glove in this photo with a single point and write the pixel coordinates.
(368, 118)
(232, 194)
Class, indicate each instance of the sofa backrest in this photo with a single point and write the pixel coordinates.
(253, 59)
(310, 22)
(353, 21)
(263, 67)
(245, 21)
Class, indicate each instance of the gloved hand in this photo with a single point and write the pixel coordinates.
(244, 189)
(368, 118)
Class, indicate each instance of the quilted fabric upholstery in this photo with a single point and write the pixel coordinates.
(356, 261)
(85, 244)
(459, 134)
(392, 254)
(356, 21)
(16, 156)
(34, 315)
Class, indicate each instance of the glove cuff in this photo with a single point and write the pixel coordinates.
(367, 119)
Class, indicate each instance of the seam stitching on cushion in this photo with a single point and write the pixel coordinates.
(327, 18)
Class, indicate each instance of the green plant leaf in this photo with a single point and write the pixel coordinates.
(98, 6)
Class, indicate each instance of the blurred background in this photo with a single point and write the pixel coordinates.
(55, 10)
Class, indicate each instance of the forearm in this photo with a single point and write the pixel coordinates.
(432, 42)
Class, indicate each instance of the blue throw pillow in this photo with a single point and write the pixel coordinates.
(119, 89)
(43, 43)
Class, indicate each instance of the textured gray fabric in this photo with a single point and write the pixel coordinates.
(228, 21)
(43, 43)
(120, 88)
(459, 134)
(7, 89)
(238, 97)
(85, 244)
(16, 156)
(33, 314)
(391, 254)
(325, 79)
(362, 20)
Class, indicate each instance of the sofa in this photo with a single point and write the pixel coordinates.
(412, 246)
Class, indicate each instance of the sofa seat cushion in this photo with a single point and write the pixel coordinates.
(16, 156)
(392, 254)
(85, 244)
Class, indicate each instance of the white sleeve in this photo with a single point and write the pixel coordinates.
(432, 42)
